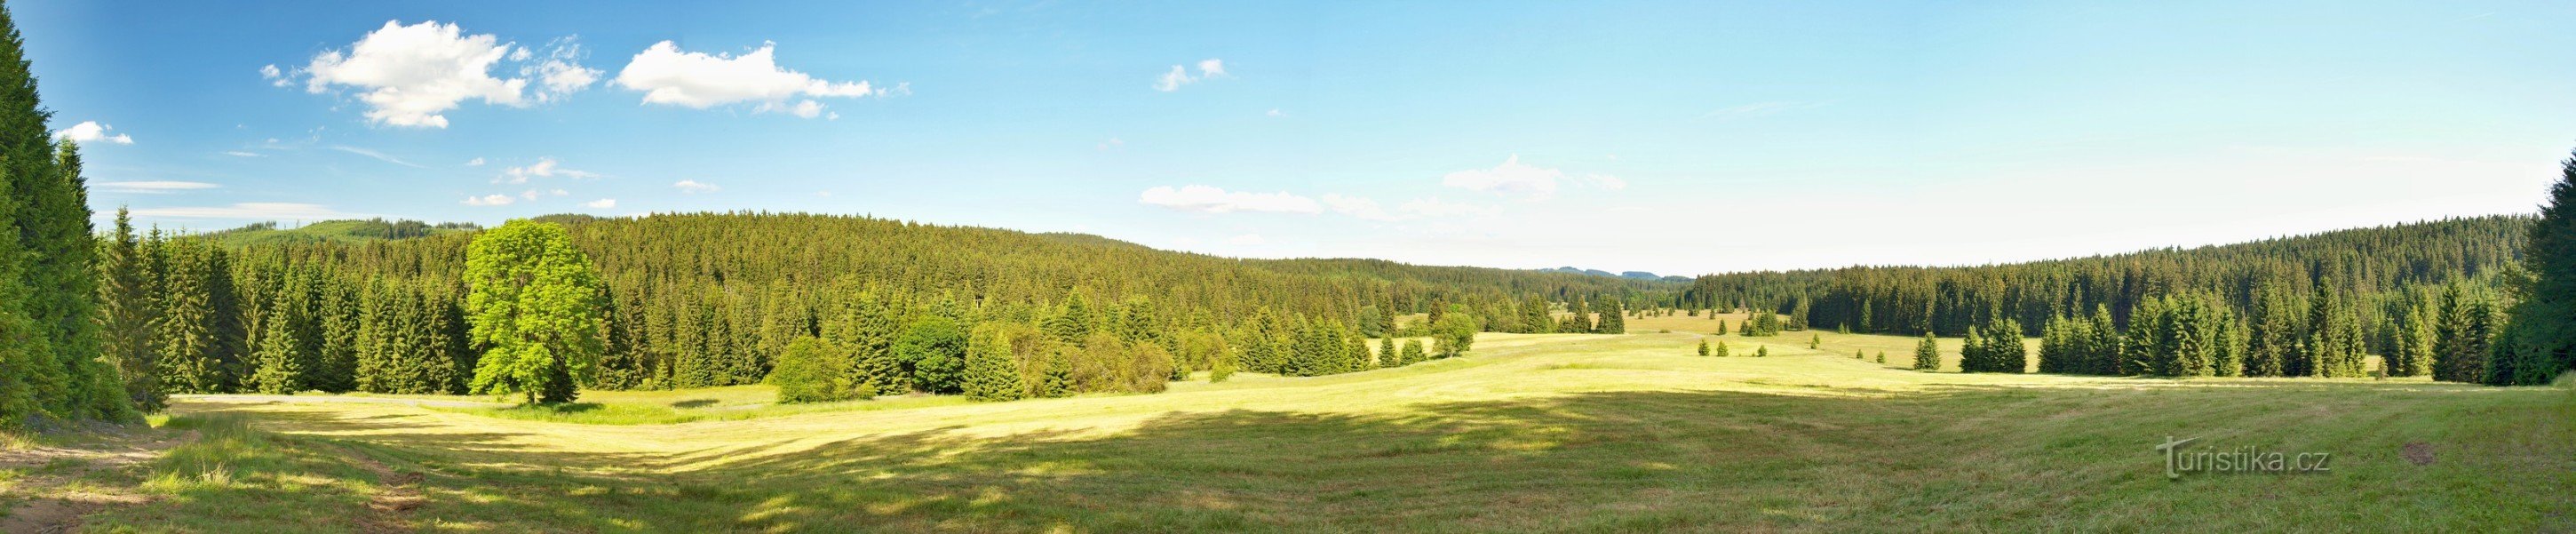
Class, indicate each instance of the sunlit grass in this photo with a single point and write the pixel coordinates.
(1531, 433)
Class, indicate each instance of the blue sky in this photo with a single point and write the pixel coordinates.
(1676, 137)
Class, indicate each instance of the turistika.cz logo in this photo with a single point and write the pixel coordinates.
(2246, 459)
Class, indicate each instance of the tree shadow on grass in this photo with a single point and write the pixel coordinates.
(1956, 458)
(693, 403)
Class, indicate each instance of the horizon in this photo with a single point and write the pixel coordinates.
(1635, 136)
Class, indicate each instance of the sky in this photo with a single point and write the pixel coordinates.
(1682, 137)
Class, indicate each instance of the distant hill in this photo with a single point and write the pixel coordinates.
(342, 231)
(1634, 275)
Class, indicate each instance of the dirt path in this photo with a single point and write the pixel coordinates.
(390, 509)
(320, 399)
(59, 485)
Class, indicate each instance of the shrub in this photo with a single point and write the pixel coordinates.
(813, 370)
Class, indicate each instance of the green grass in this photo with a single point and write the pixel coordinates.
(1572, 433)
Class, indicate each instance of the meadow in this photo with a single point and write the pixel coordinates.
(1563, 433)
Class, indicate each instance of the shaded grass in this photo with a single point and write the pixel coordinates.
(1534, 433)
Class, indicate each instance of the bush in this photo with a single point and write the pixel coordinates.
(935, 349)
(813, 370)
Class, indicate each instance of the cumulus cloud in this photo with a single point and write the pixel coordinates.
(250, 210)
(91, 132)
(695, 187)
(490, 200)
(1206, 199)
(274, 76)
(152, 186)
(604, 203)
(670, 76)
(1172, 80)
(410, 76)
(558, 71)
(543, 168)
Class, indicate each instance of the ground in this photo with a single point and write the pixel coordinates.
(1610, 433)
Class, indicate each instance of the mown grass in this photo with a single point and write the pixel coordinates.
(1532, 433)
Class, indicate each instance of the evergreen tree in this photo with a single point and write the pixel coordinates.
(810, 370)
(1722, 350)
(1386, 352)
(2462, 340)
(48, 303)
(1927, 354)
(1882, 357)
(992, 364)
(280, 365)
(1413, 352)
(1703, 346)
(2540, 343)
(2411, 342)
(1763, 351)
(126, 314)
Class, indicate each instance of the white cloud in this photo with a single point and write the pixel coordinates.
(701, 80)
(543, 168)
(1205, 199)
(1361, 207)
(1172, 80)
(1274, 112)
(477, 162)
(490, 200)
(153, 187)
(379, 156)
(409, 76)
(695, 187)
(560, 72)
(275, 77)
(1512, 178)
(250, 210)
(604, 203)
(1247, 240)
(243, 154)
(1434, 208)
(91, 132)
(1605, 181)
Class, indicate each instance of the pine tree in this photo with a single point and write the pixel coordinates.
(1722, 350)
(1413, 352)
(1721, 325)
(1703, 346)
(2412, 342)
(1762, 351)
(2461, 341)
(1386, 353)
(1882, 357)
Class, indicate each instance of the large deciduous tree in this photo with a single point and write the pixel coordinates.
(535, 303)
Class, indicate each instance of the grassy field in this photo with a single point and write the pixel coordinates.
(1582, 433)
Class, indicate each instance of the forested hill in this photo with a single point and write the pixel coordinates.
(753, 252)
(2384, 269)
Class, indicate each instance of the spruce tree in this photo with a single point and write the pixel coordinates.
(126, 314)
(2540, 343)
(1927, 354)
(1762, 351)
(1703, 346)
(280, 363)
(1722, 350)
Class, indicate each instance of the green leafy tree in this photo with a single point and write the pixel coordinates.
(810, 369)
(535, 303)
(1454, 335)
(934, 349)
